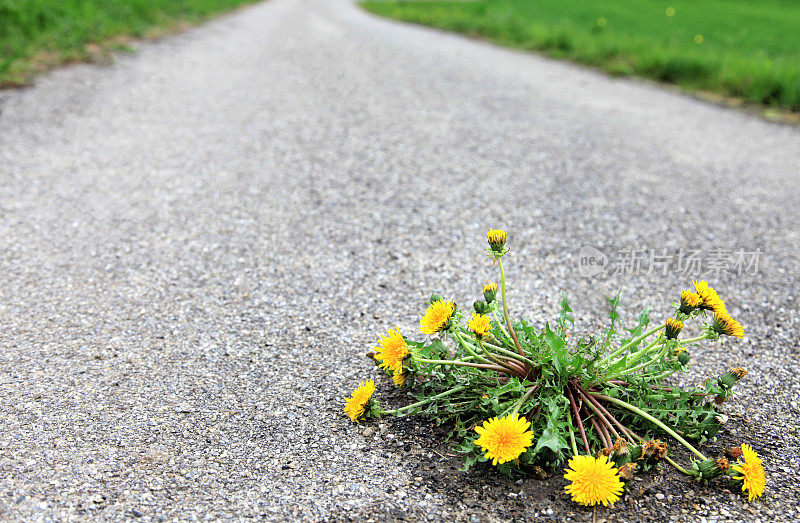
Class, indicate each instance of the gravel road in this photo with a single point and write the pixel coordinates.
(199, 243)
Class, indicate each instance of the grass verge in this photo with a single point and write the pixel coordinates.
(740, 49)
(39, 34)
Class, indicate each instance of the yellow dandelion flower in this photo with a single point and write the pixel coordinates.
(480, 325)
(504, 439)
(690, 301)
(711, 301)
(391, 350)
(357, 402)
(399, 377)
(724, 324)
(673, 328)
(437, 317)
(594, 480)
(750, 472)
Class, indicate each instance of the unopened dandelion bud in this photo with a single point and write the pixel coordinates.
(712, 468)
(673, 328)
(730, 378)
(497, 240)
(684, 357)
(627, 471)
(480, 307)
(636, 452)
(490, 292)
(435, 298)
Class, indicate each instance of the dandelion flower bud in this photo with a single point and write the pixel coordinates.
(730, 378)
(497, 240)
(490, 292)
(673, 328)
(480, 307)
(711, 468)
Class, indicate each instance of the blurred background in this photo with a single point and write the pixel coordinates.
(731, 51)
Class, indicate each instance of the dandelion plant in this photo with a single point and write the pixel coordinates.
(521, 396)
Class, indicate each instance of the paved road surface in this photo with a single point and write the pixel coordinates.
(199, 243)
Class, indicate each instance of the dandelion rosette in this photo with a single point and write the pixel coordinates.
(575, 389)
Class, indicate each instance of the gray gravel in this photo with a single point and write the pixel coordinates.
(199, 243)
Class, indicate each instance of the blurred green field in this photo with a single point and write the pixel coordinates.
(748, 49)
(35, 34)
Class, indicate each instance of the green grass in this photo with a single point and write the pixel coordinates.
(36, 34)
(747, 49)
